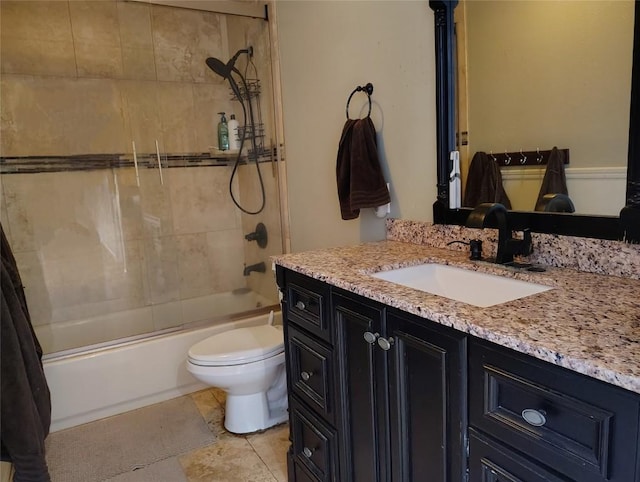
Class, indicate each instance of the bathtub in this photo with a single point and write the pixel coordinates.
(62, 338)
(106, 381)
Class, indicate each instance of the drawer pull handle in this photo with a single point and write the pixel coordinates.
(300, 305)
(370, 337)
(534, 417)
(307, 452)
(306, 375)
(385, 343)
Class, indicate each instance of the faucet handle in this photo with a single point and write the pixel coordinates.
(527, 244)
(522, 247)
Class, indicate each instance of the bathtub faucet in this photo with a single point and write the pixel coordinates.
(258, 268)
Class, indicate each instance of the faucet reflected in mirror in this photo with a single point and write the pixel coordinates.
(508, 247)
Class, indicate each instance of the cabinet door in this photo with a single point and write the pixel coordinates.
(362, 375)
(427, 400)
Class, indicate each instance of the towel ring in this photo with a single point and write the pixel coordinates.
(368, 89)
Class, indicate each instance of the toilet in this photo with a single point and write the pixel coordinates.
(248, 364)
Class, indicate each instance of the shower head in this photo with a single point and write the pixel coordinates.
(219, 67)
(224, 70)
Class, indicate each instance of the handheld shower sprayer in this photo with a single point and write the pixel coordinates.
(226, 71)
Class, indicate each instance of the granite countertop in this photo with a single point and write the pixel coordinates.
(589, 323)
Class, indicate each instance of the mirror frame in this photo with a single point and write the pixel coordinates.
(625, 227)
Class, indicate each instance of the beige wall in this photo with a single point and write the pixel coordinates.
(326, 49)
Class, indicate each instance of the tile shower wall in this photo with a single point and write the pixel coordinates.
(90, 77)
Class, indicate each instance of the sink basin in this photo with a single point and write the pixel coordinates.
(478, 289)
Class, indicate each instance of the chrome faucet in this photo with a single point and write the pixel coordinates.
(258, 268)
(507, 246)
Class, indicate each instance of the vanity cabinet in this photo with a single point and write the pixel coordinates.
(401, 385)
(427, 404)
(580, 428)
(377, 395)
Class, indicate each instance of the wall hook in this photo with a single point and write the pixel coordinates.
(523, 160)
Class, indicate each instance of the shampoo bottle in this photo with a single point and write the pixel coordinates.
(223, 133)
(234, 143)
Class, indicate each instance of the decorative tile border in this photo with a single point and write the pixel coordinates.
(90, 162)
(614, 258)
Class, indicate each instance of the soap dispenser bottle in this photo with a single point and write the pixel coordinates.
(223, 133)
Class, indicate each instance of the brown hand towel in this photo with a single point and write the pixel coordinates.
(484, 183)
(358, 173)
(554, 181)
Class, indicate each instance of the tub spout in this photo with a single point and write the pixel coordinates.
(258, 268)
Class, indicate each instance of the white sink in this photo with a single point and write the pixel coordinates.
(478, 289)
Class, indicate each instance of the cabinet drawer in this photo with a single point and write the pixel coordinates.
(314, 443)
(302, 475)
(491, 462)
(580, 427)
(310, 372)
(308, 301)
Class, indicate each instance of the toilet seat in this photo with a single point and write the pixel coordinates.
(238, 346)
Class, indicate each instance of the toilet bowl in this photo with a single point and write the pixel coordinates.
(248, 364)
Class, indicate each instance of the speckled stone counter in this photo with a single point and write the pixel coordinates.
(589, 323)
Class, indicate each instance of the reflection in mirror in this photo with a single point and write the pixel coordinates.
(532, 75)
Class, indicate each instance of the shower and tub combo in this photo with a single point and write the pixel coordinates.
(145, 255)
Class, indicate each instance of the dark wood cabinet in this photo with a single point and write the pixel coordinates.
(578, 427)
(427, 399)
(380, 395)
(362, 389)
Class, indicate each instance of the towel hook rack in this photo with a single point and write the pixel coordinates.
(367, 89)
(526, 158)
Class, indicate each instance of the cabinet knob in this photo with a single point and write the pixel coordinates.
(385, 343)
(307, 452)
(306, 375)
(300, 305)
(370, 337)
(534, 417)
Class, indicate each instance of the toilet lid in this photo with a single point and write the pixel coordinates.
(241, 345)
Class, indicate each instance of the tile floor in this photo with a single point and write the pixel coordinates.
(259, 457)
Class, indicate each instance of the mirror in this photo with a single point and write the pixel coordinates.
(587, 222)
(532, 75)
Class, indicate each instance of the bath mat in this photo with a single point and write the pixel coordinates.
(129, 442)
(168, 470)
